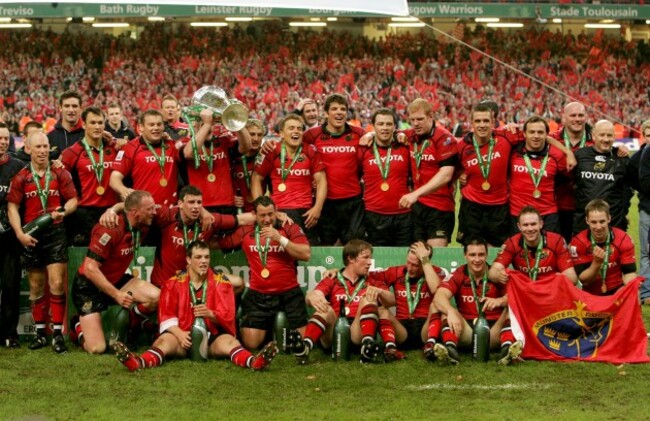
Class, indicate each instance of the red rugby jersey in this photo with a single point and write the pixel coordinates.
(77, 162)
(375, 199)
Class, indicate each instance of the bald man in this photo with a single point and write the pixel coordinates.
(602, 174)
(575, 134)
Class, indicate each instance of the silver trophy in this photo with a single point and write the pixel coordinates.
(232, 113)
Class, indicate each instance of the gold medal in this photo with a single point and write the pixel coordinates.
(100, 190)
(537, 194)
(417, 176)
(603, 288)
(385, 186)
(163, 182)
(265, 273)
(282, 187)
(212, 178)
(486, 185)
(347, 311)
(135, 272)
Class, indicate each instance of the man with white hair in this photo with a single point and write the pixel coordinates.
(602, 174)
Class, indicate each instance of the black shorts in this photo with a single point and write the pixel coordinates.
(429, 223)
(259, 310)
(341, 219)
(296, 215)
(389, 230)
(51, 248)
(551, 223)
(80, 224)
(88, 299)
(490, 222)
(414, 333)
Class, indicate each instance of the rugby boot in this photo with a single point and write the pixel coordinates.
(265, 356)
(369, 350)
(447, 354)
(511, 353)
(38, 342)
(58, 344)
(429, 351)
(12, 342)
(391, 354)
(126, 357)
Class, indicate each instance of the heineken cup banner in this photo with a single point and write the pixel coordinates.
(309, 273)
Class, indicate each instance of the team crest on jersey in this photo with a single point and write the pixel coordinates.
(447, 141)
(348, 138)
(119, 156)
(574, 333)
(108, 152)
(104, 239)
(88, 305)
(599, 166)
(301, 158)
(601, 158)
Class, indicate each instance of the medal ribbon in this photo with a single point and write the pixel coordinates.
(197, 231)
(484, 165)
(350, 298)
(135, 238)
(261, 251)
(160, 159)
(417, 154)
(209, 157)
(385, 168)
(410, 299)
(98, 167)
(536, 178)
(603, 268)
(484, 288)
(567, 141)
(44, 192)
(538, 253)
(204, 295)
(283, 159)
(247, 174)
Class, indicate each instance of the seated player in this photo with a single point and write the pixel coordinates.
(197, 292)
(603, 255)
(473, 293)
(416, 322)
(366, 303)
(533, 252)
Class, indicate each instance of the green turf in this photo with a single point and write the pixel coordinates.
(80, 386)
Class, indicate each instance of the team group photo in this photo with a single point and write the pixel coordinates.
(257, 208)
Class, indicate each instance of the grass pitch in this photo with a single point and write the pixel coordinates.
(42, 385)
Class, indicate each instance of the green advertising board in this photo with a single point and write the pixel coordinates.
(309, 273)
(422, 10)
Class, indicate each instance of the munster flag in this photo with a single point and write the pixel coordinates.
(557, 321)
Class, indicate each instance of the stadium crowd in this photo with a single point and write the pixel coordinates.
(270, 70)
(554, 197)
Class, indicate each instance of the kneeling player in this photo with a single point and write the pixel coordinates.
(101, 280)
(470, 287)
(416, 322)
(603, 255)
(197, 292)
(366, 300)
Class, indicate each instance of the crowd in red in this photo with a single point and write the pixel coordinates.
(271, 69)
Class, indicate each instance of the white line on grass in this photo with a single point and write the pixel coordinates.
(508, 386)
